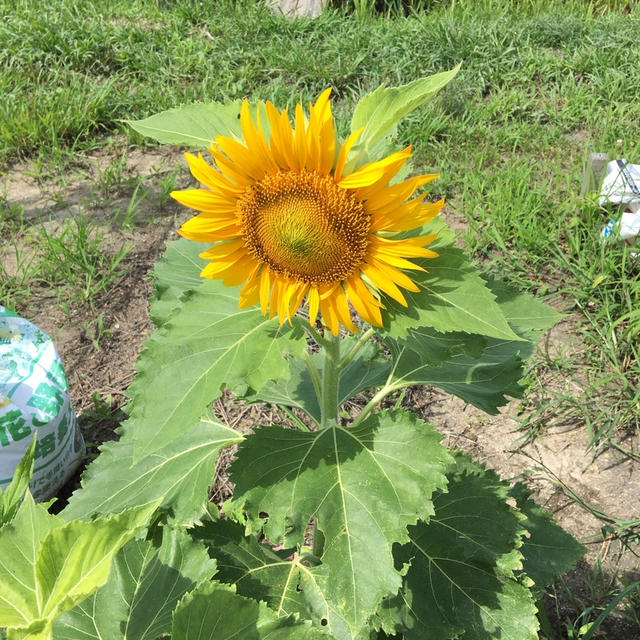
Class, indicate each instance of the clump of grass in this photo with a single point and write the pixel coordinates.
(18, 266)
(74, 260)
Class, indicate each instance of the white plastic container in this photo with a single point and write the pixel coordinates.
(34, 400)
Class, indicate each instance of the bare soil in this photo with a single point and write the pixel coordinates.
(556, 464)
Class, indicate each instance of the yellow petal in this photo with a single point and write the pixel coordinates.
(265, 288)
(250, 293)
(300, 140)
(254, 137)
(410, 217)
(329, 315)
(314, 304)
(384, 283)
(225, 262)
(400, 263)
(230, 170)
(275, 297)
(281, 140)
(321, 135)
(399, 277)
(296, 300)
(372, 172)
(395, 195)
(282, 301)
(363, 301)
(233, 275)
(211, 178)
(417, 242)
(342, 309)
(208, 234)
(245, 161)
(204, 200)
(222, 249)
(344, 152)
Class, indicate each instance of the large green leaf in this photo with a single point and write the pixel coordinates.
(19, 546)
(289, 586)
(208, 343)
(194, 125)
(380, 111)
(178, 475)
(452, 297)
(483, 380)
(366, 370)
(11, 497)
(460, 568)
(526, 314)
(176, 273)
(481, 371)
(51, 565)
(214, 612)
(359, 486)
(548, 549)
(144, 587)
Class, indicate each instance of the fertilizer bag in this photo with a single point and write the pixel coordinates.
(34, 401)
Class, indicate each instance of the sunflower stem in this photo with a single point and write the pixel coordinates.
(315, 376)
(356, 347)
(330, 378)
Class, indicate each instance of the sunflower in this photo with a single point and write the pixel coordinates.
(291, 223)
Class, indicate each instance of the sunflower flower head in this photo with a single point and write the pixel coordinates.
(293, 226)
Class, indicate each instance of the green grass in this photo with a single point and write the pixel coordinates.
(71, 261)
(74, 259)
(543, 84)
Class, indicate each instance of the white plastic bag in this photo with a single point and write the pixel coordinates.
(621, 187)
(34, 399)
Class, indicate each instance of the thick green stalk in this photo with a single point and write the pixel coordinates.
(330, 379)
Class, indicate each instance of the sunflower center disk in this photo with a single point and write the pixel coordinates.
(304, 226)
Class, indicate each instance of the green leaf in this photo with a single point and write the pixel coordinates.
(452, 297)
(481, 371)
(215, 612)
(206, 345)
(19, 545)
(51, 566)
(436, 347)
(380, 111)
(11, 497)
(178, 475)
(528, 316)
(460, 568)
(366, 370)
(358, 485)
(548, 549)
(176, 273)
(288, 586)
(483, 380)
(144, 587)
(296, 391)
(194, 125)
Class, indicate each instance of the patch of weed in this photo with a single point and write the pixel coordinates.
(74, 259)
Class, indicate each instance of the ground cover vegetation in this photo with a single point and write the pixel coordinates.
(542, 84)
